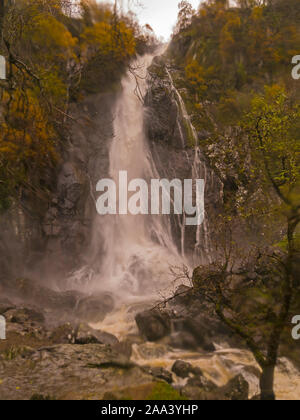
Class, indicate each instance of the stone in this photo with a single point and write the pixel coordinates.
(69, 372)
(182, 369)
(23, 315)
(160, 373)
(237, 389)
(94, 309)
(31, 291)
(154, 324)
(63, 334)
(200, 388)
(87, 335)
(183, 340)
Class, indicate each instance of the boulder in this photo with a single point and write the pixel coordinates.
(200, 388)
(237, 389)
(198, 329)
(80, 334)
(183, 340)
(154, 324)
(184, 370)
(87, 335)
(160, 373)
(93, 309)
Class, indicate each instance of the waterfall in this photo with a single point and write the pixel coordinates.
(199, 171)
(138, 249)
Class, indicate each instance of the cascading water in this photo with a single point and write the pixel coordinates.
(202, 251)
(138, 249)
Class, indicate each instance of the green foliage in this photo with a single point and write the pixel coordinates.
(275, 141)
(164, 392)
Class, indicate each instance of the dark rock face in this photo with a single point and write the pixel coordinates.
(30, 291)
(195, 322)
(53, 239)
(160, 373)
(171, 141)
(154, 324)
(199, 388)
(237, 389)
(163, 121)
(188, 323)
(184, 369)
(183, 340)
(69, 303)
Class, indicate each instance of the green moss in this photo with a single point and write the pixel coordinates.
(164, 392)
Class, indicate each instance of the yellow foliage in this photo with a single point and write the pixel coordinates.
(118, 41)
(50, 37)
(257, 12)
(27, 140)
(195, 75)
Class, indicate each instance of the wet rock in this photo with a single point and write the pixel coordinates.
(87, 335)
(182, 369)
(80, 334)
(160, 373)
(154, 324)
(183, 340)
(237, 389)
(150, 351)
(198, 329)
(95, 308)
(200, 388)
(192, 333)
(195, 324)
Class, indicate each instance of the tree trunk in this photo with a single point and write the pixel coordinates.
(267, 384)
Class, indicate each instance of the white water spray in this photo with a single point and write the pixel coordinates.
(138, 249)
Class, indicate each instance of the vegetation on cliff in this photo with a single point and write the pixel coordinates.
(237, 72)
(56, 54)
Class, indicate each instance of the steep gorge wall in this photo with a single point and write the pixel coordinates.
(53, 237)
(174, 146)
(58, 241)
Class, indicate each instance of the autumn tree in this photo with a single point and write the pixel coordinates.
(258, 308)
(54, 56)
